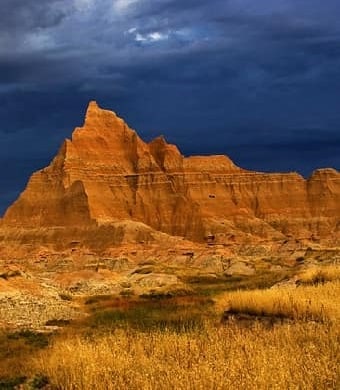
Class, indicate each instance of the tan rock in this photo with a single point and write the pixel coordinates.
(240, 268)
(106, 186)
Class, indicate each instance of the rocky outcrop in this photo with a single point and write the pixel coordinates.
(106, 174)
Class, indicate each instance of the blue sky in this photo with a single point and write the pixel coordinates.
(256, 80)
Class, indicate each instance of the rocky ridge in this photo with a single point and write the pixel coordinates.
(107, 179)
(114, 215)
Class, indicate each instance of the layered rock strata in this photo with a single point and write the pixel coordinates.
(106, 174)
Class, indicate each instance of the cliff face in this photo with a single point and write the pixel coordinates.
(106, 174)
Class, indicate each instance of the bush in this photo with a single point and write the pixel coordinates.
(12, 383)
(39, 381)
(36, 339)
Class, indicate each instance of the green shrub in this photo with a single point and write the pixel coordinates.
(36, 339)
(39, 381)
(11, 383)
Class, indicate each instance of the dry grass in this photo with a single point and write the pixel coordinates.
(224, 357)
(143, 348)
(15, 350)
(320, 274)
(298, 355)
(310, 302)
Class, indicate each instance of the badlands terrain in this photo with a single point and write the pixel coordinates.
(121, 234)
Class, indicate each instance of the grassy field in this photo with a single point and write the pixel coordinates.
(318, 302)
(183, 343)
(302, 356)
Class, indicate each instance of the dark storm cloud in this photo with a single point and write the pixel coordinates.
(93, 40)
(258, 80)
(21, 15)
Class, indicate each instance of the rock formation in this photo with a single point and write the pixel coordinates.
(106, 175)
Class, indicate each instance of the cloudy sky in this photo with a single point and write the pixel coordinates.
(257, 80)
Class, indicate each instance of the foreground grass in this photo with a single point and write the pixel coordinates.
(302, 356)
(299, 355)
(180, 343)
(16, 348)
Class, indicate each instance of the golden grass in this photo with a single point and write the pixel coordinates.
(298, 355)
(310, 302)
(320, 274)
(225, 357)
(301, 354)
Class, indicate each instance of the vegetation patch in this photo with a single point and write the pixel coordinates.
(57, 322)
(301, 356)
(308, 303)
(39, 381)
(319, 274)
(165, 312)
(36, 339)
(163, 342)
(17, 349)
(214, 286)
(97, 298)
(12, 383)
(159, 295)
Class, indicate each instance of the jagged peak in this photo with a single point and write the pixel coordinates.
(95, 112)
(92, 109)
(93, 105)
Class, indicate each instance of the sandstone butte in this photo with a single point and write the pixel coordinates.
(106, 186)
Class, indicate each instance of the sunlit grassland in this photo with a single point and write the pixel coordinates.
(320, 302)
(183, 343)
(301, 356)
(320, 274)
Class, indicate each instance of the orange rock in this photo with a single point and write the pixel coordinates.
(106, 174)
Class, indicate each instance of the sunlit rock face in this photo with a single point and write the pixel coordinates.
(106, 174)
